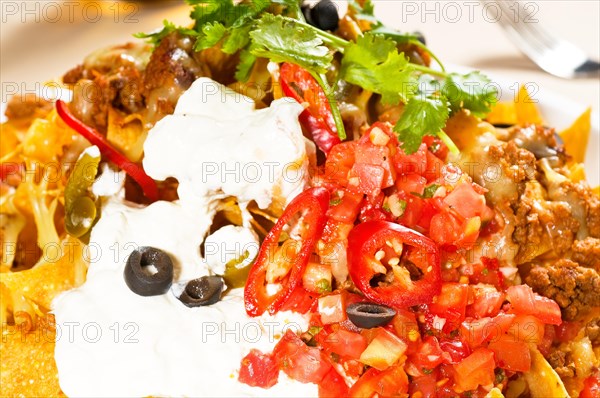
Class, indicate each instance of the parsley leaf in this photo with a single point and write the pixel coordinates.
(285, 40)
(425, 114)
(472, 91)
(373, 62)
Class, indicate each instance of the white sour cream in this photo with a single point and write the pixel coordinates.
(112, 342)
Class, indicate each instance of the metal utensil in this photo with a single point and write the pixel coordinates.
(556, 56)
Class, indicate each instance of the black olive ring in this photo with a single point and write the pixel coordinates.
(140, 278)
(369, 315)
(202, 291)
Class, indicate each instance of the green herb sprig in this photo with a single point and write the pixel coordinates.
(276, 30)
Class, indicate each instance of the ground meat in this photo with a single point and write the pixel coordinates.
(108, 78)
(517, 163)
(542, 225)
(587, 252)
(562, 363)
(27, 107)
(592, 330)
(576, 289)
(539, 140)
(172, 70)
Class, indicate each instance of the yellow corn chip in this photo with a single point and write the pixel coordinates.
(28, 368)
(526, 108)
(577, 135)
(48, 278)
(503, 113)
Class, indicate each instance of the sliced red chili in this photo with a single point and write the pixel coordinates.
(366, 239)
(95, 138)
(317, 118)
(314, 203)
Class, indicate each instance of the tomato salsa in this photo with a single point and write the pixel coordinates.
(383, 227)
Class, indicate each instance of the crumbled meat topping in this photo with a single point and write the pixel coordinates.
(576, 289)
(587, 252)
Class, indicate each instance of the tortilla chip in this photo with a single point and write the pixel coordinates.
(543, 381)
(503, 113)
(47, 279)
(28, 368)
(526, 108)
(576, 137)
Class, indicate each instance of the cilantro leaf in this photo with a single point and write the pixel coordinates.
(425, 114)
(472, 91)
(168, 27)
(213, 32)
(365, 12)
(373, 62)
(244, 68)
(285, 40)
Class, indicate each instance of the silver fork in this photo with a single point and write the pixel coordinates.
(556, 56)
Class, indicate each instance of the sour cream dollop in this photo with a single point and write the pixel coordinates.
(112, 342)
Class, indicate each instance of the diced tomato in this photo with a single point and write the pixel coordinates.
(299, 361)
(433, 172)
(344, 205)
(415, 163)
(527, 328)
(332, 308)
(391, 382)
(300, 301)
(475, 370)
(487, 271)
(465, 201)
(316, 276)
(333, 386)
(425, 385)
(591, 386)
(384, 350)
(339, 162)
(371, 209)
(445, 229)
(486, 301)
(567, 331)
(411, 184)
(366, 178)
(511, 354)
(406, 327)
(259, 370)
(346, 344)
(429, 355)
(436, 146)
(545, 345)
(525, 301)
(376, 155)
(451, 303)
(456, 349)
(477, 331)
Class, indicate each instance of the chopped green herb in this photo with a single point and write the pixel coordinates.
(275, 29)
(426, 370)
(323, 286)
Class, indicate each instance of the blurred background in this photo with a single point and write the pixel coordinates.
(40, 40)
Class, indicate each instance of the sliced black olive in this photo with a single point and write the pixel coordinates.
(324, 15)
(369, 315)
(305, 8)
(149, 271)
(420, 37)
(202, 291)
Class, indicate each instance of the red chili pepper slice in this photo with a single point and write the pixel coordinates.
(317, 117)
(314, 202)
(368, 238)
(95, 138)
